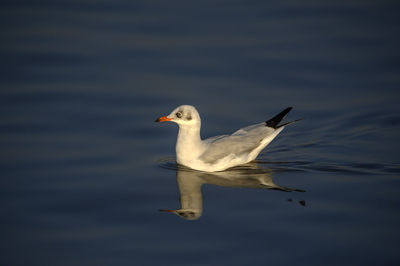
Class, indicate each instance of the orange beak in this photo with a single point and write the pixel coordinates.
(163, 119)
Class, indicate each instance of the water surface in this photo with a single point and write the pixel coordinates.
(85, 170)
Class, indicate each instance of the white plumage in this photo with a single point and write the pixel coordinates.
(220, 152)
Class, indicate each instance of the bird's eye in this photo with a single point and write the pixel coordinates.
(179, 114)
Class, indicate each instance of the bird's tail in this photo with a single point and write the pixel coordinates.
(273, 122)
(288, 123)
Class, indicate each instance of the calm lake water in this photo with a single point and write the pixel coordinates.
(85, 170)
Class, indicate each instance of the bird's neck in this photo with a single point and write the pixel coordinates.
(189, 135)
(188, 144)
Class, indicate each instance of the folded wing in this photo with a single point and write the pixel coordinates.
(240, 143)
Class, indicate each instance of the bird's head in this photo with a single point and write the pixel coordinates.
(182, 115)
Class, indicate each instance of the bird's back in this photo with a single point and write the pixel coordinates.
(241, 143)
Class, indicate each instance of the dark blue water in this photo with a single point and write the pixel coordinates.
(85, 170)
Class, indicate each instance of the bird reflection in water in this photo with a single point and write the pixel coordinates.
(190, 182)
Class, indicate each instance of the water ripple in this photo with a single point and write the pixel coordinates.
(301, 166)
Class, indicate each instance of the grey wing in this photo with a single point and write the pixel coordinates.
(257, 129)
(213, 139)
(241, 142)
(254, 131)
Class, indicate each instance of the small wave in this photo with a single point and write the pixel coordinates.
(170, 163)
(334, 167)
(300, 166)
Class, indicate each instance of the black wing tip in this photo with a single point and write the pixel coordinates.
(273, 122)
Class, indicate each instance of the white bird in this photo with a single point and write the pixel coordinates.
(220, 152)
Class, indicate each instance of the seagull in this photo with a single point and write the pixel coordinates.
(220, 152)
